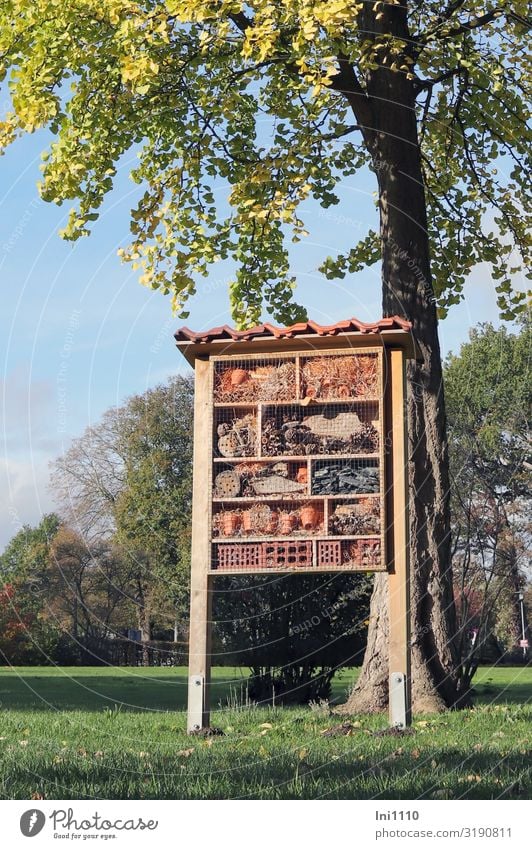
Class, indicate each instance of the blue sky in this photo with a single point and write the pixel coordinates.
(79, 334)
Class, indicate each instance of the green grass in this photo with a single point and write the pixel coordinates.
(115, 733)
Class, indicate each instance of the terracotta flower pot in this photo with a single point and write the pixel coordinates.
(230, 524)
(309, 517)
(238, 376)
(287, 522)
(247, 522)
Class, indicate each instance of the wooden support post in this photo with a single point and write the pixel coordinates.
(199, 664)
(201, 582)
(399, 577)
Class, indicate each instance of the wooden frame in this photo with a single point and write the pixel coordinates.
(391, 458)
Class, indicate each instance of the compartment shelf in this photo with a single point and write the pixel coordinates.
(299, 402)
(290, 538)
(295, 458)
(243, 499)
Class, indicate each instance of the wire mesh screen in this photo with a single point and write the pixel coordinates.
(260, 478)
(255, 380)
(267, 519)
(333, 428)
(329, 477)
(297, 480)
(236, 432)
(349, 376)
(354, 518)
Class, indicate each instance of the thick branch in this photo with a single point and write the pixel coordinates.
(347, 83)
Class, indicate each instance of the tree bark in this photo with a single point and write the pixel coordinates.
(143, 615)
(388, 119)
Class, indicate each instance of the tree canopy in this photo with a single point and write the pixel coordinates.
(277, 101)
(489, 403)
(128, 478)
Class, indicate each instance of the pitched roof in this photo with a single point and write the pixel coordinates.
(306, 328)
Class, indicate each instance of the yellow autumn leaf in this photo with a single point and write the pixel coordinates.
(185, 753)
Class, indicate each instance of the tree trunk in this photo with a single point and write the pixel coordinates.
(143, 616)
(388, 118)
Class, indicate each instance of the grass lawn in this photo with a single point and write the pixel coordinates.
(120, 733)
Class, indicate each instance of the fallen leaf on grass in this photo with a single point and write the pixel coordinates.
(266, 725)
(23, 742)
(302, 754)
(185, 753)
(415, 753)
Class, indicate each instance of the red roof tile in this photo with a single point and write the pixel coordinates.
(306, 328)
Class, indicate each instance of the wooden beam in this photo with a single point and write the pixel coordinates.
(399, 575)
(201, 583)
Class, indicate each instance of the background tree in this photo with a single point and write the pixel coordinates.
(62, 595)
(28, 552)
(128, 479)
(489, 402)
(16, 622)
(433, 96)
(89, 587)
(28, 634)
(153, 510)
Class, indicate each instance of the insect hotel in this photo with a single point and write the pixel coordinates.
(299, 465)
